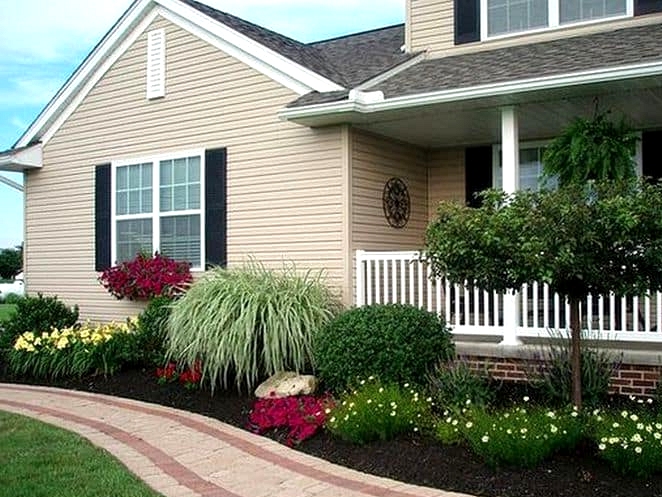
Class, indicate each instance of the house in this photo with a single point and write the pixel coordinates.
(209, 138)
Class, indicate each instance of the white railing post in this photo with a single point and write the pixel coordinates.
(360, 279)
(511, 315)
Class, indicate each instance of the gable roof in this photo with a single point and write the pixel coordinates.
(324, 66)
(347, 60)
(566, 56)
(306, 55)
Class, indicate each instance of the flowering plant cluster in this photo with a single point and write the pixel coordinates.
(302, 416)
(190, 377)
(521, 436)
(147, 277)
(380, 412)
(630, 440)
(76, 350)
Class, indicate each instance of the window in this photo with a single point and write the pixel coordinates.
(158, 207)
(586, 10)
(504, 17)
(530, 168)
(508, 16)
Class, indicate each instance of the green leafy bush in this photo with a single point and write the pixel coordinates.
(37, 314)
(249, 322)
(12, 299)
(555, 379)
(397, 343)
(452, 384)
(630, 441)
(73, 351)
(151, 332)
(521, 436)
(379, 412)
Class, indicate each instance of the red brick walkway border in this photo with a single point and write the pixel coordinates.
(181, 454)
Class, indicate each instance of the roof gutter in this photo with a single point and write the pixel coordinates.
(363, 106)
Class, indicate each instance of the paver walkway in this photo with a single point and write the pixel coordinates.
(181, 454)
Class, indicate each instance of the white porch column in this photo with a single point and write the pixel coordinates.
(360, 279)
(510, 170)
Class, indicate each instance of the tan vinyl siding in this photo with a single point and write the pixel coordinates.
(446, 177)
(431, 25)
(375, 160)
(284, 180)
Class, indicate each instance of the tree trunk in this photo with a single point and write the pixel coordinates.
(576, 355)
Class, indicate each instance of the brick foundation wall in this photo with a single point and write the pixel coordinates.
(628, 379)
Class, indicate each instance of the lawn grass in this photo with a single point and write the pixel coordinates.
(39, 460)
(5, 311)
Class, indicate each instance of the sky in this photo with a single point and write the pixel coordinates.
(43, 41)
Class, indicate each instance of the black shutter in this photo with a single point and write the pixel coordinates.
(467, 21)
(642, 7)
(478, 173)
(651, 155)
(102, 217)
(216, 225)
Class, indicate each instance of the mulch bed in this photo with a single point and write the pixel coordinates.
(421, 461)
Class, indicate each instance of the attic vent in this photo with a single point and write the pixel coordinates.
(156, 63)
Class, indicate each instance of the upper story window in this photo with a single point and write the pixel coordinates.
(158, 207)
(505, 17)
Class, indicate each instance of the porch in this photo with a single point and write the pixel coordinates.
(506, 320)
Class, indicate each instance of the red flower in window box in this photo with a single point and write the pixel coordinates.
(147, 277)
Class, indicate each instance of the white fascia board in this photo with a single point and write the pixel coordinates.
(22, 159)
(129, 28)
(474, 92)
(250, 51)
(380, 78)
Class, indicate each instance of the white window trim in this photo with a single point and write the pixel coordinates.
(496, 150)
(553, 20)
(156, 213)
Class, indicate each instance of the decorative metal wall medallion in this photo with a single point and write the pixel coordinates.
(396, 203)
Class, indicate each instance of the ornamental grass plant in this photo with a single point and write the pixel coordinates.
(374, 411)
(74, 351)
(249, 322)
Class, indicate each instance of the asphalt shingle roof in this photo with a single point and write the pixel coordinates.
(360, 57)
(620, 47)
(347, 60)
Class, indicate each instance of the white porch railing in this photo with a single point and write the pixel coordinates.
(400, 277)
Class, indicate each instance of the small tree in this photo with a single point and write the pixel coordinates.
(592, 239)
(11, 262)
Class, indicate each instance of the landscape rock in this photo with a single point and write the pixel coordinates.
(285, 384)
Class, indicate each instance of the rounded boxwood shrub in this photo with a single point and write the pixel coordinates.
(397, 343)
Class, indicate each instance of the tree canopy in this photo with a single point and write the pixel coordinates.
(11, 262)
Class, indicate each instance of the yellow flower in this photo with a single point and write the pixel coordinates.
(62, 343)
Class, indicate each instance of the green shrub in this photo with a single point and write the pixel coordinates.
(397, 343)
(151, 333)
(630, 441)
(555, 379)
(37, 314)
(249, 322)
(12, 299)
(520, 436)
(73, 351)
(379, 412)
(452, 384)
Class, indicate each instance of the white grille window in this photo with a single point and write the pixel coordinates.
(156, 63)
(158, 206)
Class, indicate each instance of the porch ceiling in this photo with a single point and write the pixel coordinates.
(541, 114)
